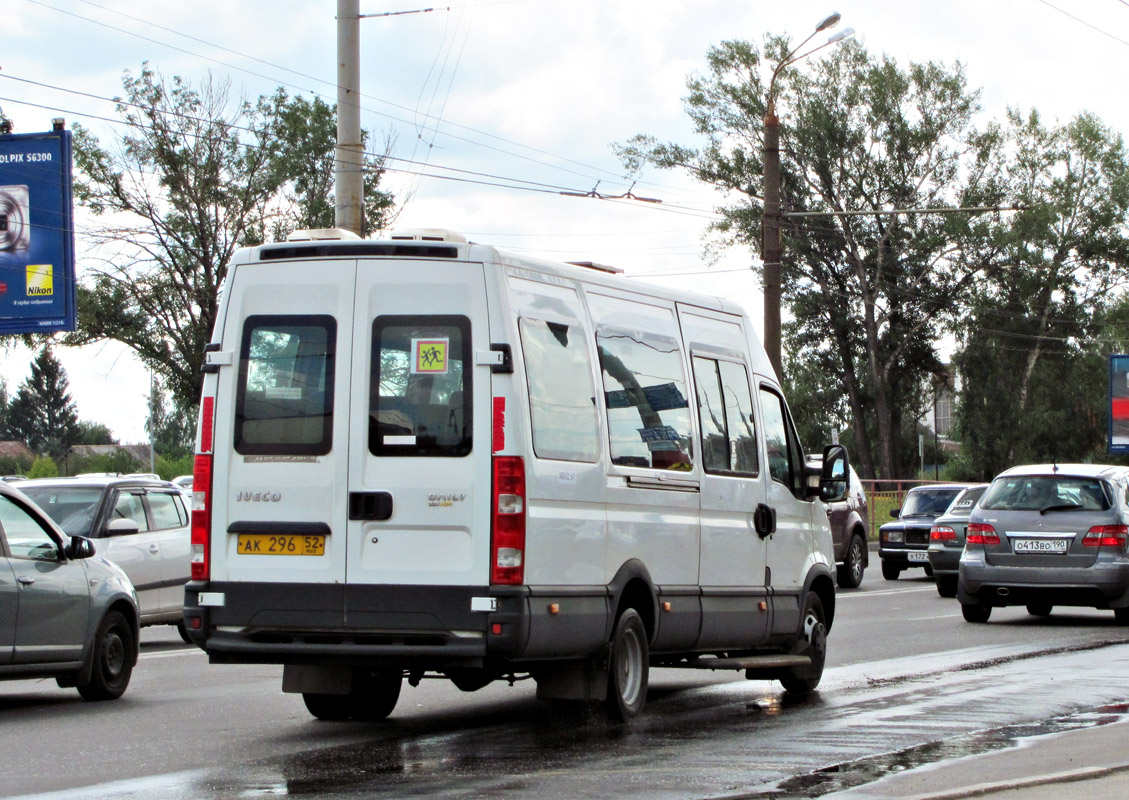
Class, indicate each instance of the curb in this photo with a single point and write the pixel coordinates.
(985, 789)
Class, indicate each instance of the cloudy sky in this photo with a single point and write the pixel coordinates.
(525, 93)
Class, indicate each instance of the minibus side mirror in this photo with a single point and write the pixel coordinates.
(834, 474)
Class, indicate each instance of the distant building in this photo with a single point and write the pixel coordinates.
(17, 450)
(138, 451)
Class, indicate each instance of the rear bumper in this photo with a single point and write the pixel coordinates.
(1099, 586)
(430, 627)
(945, 560)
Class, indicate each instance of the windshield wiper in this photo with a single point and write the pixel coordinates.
(1063, 507)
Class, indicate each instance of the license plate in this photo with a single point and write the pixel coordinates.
(917, 556)
(1039, 545)
(281, 544)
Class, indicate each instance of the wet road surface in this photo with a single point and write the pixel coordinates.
(732, 740)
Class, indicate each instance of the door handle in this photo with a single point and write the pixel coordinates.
(376, 506)
(26, 580)
(154, 548)
(764, 520)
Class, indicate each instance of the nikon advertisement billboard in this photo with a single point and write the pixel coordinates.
(37, 278)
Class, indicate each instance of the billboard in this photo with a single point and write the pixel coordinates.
(37, 277)
(1119, 404)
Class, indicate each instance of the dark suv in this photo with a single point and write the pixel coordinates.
(905, 543)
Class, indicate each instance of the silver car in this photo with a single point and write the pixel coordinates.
(946, 539)
(64, 611)
(140, 524)
(1045, 536)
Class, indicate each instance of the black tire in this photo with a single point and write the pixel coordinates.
(975, 612)
(329, 707)
(849, 573)
(813, 642)
(889, 571)
(928, 570)
(947, 585)
(373, 698)
(183, 631)
(1039, 609)
(1121, 615)
(114, 654)
(628, 667)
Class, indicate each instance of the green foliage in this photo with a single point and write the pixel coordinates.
(172, 431)
(10, 465)
(169, 468)
(195, 177)
(94, 433)
(1034, 347)
(44, 467)
(42, 414)
(867, 293)
(118, 461)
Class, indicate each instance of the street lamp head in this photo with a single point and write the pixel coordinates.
(829, 22)
(846, 33)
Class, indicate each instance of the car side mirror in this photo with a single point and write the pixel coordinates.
(895, 512)
(834, 474)
(122, 527)
(80, 547)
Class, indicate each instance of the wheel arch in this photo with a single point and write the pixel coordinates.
(821, 582)
(632, 587)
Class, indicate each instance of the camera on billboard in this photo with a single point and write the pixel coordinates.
(15, 226)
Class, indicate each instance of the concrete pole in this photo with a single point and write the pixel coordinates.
(772, 247)
(349, 176)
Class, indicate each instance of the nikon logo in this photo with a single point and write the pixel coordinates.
(40, 280)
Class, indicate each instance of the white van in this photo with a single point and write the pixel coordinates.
(423, 455)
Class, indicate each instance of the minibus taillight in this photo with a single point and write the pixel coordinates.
(201, 516)
(1106, 536)
(981, 533)
(507, 531)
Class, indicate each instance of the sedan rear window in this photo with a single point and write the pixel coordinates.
(1046, 493)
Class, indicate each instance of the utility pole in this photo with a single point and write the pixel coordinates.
(771, 247)
(349, 156)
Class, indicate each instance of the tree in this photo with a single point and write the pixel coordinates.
(94, 433)
(42, 413)
(172, 432)
(859, 134)
(196, 177)
(1034, 315)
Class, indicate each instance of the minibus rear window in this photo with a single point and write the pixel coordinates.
(420, 389)
(285, 400)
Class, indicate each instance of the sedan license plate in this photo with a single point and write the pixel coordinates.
(1039, 545)
(281, 544)
(917, 556)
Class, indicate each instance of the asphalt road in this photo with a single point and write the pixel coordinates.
(906, 676)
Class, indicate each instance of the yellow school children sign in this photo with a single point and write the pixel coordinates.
(429, 356)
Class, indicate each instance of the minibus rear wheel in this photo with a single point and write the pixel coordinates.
(627, 667)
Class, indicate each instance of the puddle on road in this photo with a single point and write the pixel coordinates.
(850, 774)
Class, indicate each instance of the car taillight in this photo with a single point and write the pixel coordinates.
(942, 533)
(981, 533)
(201, 516)
(1106, 536)
(507, 532)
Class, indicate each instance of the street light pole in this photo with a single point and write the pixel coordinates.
(772, 245)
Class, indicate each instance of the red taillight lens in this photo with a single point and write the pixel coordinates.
(942, 533)
(507, 534)
(981, 533)
(1106, 536)
(201, 516)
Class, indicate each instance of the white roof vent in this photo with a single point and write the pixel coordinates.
(427, 235)
(321, 235)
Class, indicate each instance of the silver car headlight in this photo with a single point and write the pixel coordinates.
(893, 536)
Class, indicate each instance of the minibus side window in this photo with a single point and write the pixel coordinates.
(645, 391)
(785, 459)
(420, 388)
(725, 407)
(562, 405)
(284, 404)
